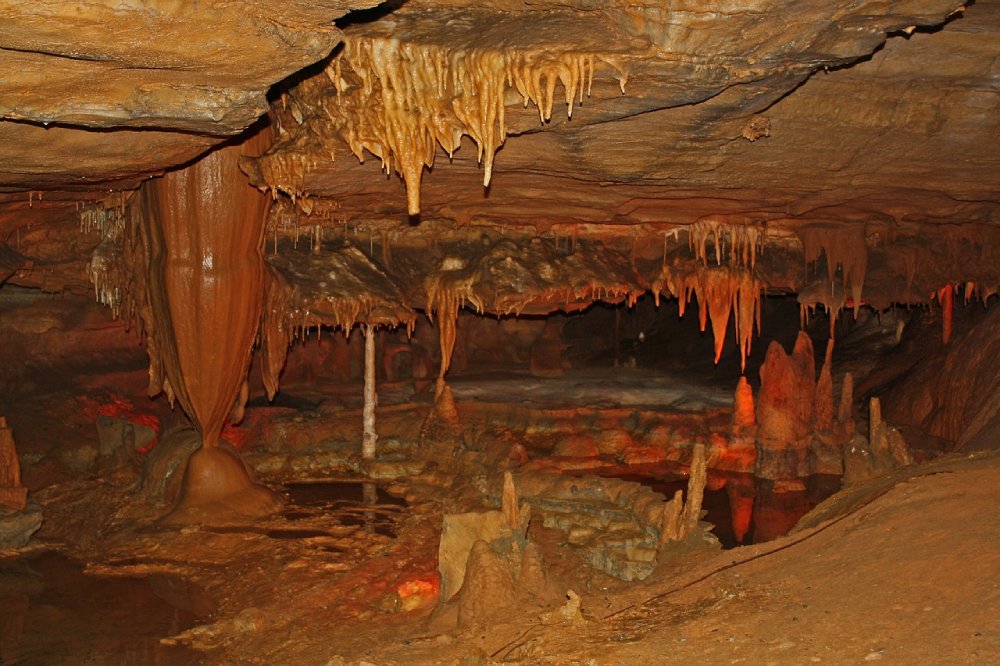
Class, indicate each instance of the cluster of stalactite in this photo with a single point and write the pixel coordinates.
(338, 287)
(721, 291)
(401, 100)
(945, 297)
(742, 242)
(285, 170)
(845, 248)
(108, 219)
(537, 277)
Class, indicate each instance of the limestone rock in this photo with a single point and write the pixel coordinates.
(17, 527)
(488, 585)
(113, 434)
(500, 531)
(164, 466)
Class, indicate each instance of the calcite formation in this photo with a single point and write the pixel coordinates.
(202, 230)
(786, 410)
(13, 495)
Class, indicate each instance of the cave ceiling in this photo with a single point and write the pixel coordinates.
(572, 118)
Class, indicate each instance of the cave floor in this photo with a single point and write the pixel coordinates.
(905, 568)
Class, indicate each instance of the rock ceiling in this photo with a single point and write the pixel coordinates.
(616, 120)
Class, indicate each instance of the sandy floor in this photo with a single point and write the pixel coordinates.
(911, 576)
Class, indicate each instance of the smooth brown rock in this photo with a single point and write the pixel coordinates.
(218, 486)
(204, 228)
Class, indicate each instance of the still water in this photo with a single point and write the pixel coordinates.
(51, 612)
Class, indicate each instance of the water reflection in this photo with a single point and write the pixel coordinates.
(51, 612)
(744, 509)
(353, 503)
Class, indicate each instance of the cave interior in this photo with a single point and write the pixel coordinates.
(339, 332)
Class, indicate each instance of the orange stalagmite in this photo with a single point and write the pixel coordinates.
(204, 227)
(824, 392)
(13, 495)
(744, 416)
(845, 414)
(946, 297)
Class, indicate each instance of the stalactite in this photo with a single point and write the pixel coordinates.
(745, 241)
(400, 100)
(845, 247)
(284, 169)
(720, 291)
(205, 227)
(741, 509)
(445, 303)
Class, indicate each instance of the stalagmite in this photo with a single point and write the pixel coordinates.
(441, 432)
(744, 416)
(946, 297)
(785, 410)
(682, 514)
(671, 527)
(885, 442)
(12, 494)
(369, 438)
(876, 427)
(203, 227)
(513, 510)
(824, 393)
(804, 360)
(695, 489)
(845, 410)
